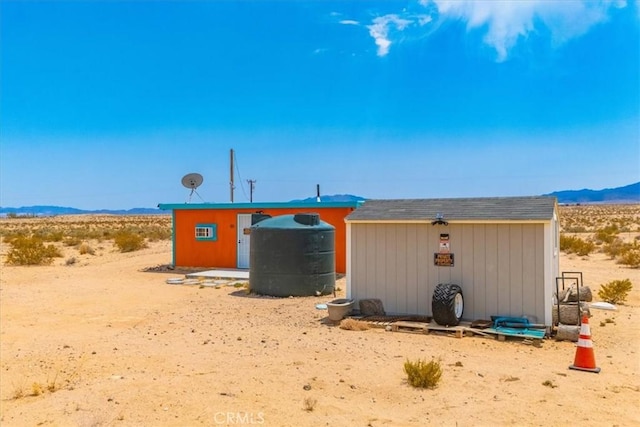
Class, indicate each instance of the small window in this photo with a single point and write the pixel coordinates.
(206, 232)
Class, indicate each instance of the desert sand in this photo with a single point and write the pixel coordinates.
(103, 342)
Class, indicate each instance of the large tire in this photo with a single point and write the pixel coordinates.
(447, 304)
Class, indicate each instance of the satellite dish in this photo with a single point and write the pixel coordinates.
(192, 181)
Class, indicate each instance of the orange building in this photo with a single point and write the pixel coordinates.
(214, 234)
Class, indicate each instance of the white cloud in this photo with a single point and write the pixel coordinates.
(505, 23)
(508, 22)
(349, 22)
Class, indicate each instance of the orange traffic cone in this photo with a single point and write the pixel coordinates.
(585, 359)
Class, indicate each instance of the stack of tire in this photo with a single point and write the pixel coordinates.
(567, 314)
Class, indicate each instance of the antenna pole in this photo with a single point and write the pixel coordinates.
(231, 173)
(252, 183)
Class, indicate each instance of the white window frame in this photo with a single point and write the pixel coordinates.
(208, 232)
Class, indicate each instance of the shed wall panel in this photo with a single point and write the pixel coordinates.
(402, 255)
(378, 246)
(491, 272)
(479, 272)
(425, 289)
(467, 279)
(504, 279)
(529, 293)
(515, 268)
(411, 268)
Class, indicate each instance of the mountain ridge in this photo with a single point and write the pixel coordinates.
(625, 194)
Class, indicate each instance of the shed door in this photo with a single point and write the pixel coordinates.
(244, 222)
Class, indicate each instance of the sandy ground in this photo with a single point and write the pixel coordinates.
(102, 342)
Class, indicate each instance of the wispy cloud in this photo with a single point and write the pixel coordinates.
(349, 22)
(504, 23)
(383, 27)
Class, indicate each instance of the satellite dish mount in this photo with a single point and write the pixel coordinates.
(192, 181)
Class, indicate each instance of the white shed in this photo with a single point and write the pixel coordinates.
(502, 251)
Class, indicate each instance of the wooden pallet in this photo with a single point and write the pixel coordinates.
(458, 331)
(411, 327)
(425, 328)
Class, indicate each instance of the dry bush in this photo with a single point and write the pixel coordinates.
(354, 325)
(72, 241)
(309, 404)
(423, 374)
(128, 241)
(630, 258)
(615, 248)
(606, 235)
(572, 244)
(84, 249)
(73, 229)
(31, 251)
(616, 291)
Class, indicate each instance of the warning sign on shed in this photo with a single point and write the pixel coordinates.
(443, 260)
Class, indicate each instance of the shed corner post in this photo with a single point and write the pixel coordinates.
(348, 260)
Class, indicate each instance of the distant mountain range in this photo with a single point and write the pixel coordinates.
(61, 210)
(626, 194)
(333, 198)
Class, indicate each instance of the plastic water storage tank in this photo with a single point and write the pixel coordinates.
(292, 255)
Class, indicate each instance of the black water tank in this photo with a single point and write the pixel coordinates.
(292, 255)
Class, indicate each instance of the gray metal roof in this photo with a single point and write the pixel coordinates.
(464, 209)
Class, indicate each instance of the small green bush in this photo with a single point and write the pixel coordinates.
(616, 291)
(423, 374)
(31, 251)
(128, 241)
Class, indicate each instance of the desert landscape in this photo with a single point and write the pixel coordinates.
(98, 338)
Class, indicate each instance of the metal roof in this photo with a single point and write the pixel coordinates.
(462, 209)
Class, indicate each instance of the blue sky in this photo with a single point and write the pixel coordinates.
(108, 104)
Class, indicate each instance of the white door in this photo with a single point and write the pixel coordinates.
(244, 223)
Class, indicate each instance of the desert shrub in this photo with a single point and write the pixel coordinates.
(572, 244)
(350, 324)
(630, 258)
(616, 291)
(615, 248)
(49, 235)
(576, 229)
(606, 235)
(71, 261)
(72, 241)
(127, 241)
(423, 374)
(31, 251)
(309, 404)
(84, 248)
(155, 233)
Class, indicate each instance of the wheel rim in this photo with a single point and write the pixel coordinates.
(458, 305)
